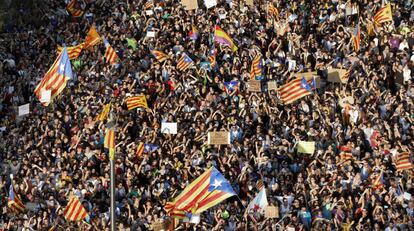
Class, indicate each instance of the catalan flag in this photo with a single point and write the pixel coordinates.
(377, 181)
(184, 62)
(212, 57)
(136, 101)
(204, 192)
(75, 211)
(73, 51)
(295, 90)
(346, 153)
(220, 36)
(159, 55)
(272, 10)
(148, 5)
(92, 38)
(402, 161)
(14, 203)
(74, 9)
(140, 149)
(56, 77)
(105, 112)
(110, 54)
(356, 37)
(256, 69)
(193, 35)
(383, 15)
(109, 142)
(230, 87)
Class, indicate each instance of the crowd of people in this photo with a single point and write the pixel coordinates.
(58, 150)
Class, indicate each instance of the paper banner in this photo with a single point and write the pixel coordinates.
(210, 3)
(271, 85)
(169, 128)
(190, 4)
(272, 212)
(335, 75)
(45, 96)
(24, 109)
(218, 138)
(254, 86)
(306, 147)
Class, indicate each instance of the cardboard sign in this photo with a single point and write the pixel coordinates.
(151, 34)
(45, 96)
(307, 147)
(190, 4)
(272, 212)
(158, 226)
(249, 2)
(271, 85)
(169, 128)
(210, 3)
(254, 86)
(218, 138)
(24, 109)
(336, 75)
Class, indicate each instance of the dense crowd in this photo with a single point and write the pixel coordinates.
(58, 150)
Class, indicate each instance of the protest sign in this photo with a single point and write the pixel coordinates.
(151, 34)
(210, 3)
(306, 147)
(159, 226)
(195, 219)
(149, 12)
(24, 109)
(346, 100)
(169, 128)
(218, 138)
(254, 86)
(271, 85)
(45, 96)
(249, 2)
(335, 75)
(272, 212)
(190, 4)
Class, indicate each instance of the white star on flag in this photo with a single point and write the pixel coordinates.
(62, 67)
(217, 183)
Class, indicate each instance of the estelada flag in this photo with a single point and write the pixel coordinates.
(383, 15)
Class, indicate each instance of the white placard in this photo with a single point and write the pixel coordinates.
(210, 3)
(24, 109)
(11, 89)
(149, 12)
(45, 96)
(169, 128)
(195, 219)
(151, 34)
(407, 196)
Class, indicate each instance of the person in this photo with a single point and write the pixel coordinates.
(352, 181)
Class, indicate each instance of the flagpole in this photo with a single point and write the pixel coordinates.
(112, 212)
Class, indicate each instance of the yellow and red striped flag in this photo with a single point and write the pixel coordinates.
(402, 161)
(110, 54)
(140, 149)
(295, 90)
(56, 77)
(376, 183)
(75, 211)
(272, 10)
(105, 112)
(209, 189)
(14, 203)
(148, 4)
(159, 55)
(73, 51)
(383, 15)
(74, 9)
(109, 142)
(256, 70)
(92, 38)
(136, 101)
(184, 62)
(356, 37)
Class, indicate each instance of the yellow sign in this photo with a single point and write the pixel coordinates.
(306, 147)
